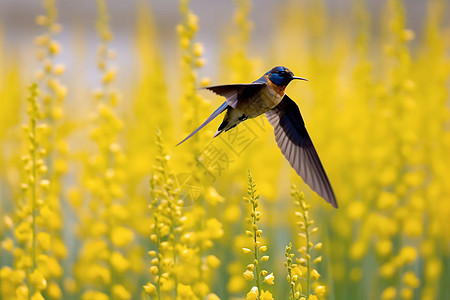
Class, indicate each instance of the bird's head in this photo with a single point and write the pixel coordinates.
(282, 76)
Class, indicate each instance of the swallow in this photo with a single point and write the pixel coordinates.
(267, 96)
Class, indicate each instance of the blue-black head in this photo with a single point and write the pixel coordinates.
(281, 76)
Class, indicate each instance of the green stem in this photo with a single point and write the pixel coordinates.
(33, 196)
(255, 238)
(158, 242)
(308, 256)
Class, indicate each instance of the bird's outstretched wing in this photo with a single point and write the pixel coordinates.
(234, 92)
(296, 145)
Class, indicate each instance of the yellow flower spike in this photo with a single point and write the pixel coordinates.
(150, 289)
(269, 279)
(248, 275)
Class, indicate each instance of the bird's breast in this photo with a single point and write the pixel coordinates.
(261, 102)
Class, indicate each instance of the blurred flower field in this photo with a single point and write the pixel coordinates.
(97, 203)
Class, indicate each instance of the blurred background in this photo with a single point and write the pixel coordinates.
(97, 202)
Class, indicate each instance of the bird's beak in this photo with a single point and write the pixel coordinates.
(299, 78)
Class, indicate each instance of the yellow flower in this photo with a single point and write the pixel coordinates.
(37, 296)
(358, 250)
(149, 288)
(37, 280)
(119, 292)
(263, 249)
(433, 269)
(119, 262)
(53, 291)
(269, 279)
(94, 295)
(320, 290)
(413, 227)
(214, 228)
(212, 197)
(253, 294)
(121, 236)
(266, 295)
(314, 274)
(248, 275)
(246, 250)
(44, 240)
(408, 254)
(356, 210)
(212, 261)
(384, 247)
(407, 293)
(389, 293)
(410, 279)
(387, 270)
(185, 291)
(312, 297)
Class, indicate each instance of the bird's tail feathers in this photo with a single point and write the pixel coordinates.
(217, 133)
(217, 112)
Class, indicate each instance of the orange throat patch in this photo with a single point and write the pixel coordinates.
(278, 89)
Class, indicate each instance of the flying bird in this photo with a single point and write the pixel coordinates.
(267, 95)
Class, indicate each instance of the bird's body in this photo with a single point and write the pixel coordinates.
(267, 95)
(257, 103)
